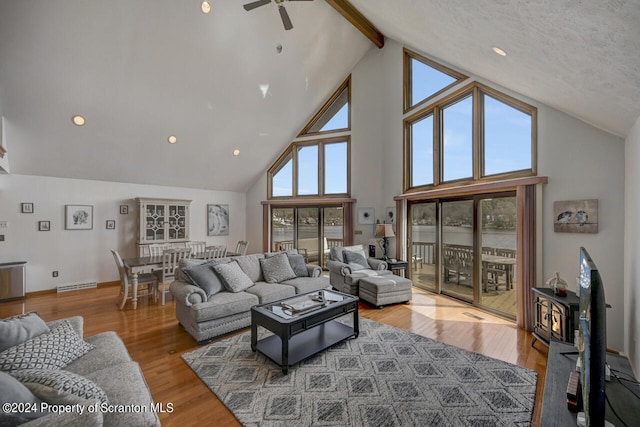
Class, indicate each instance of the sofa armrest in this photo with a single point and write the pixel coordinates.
(76, 322)
(186, 293)
(314, 270)
(377, 264)
(340, 268)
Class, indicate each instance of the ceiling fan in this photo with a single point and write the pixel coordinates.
(286, 21)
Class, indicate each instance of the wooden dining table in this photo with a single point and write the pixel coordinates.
(147, 264)
(507, 262)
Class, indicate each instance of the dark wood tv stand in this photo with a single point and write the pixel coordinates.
(554, 403)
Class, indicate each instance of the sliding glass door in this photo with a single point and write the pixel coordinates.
(466, 248)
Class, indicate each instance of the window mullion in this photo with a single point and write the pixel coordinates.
(478, 148)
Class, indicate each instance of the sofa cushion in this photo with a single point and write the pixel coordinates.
(125, 385)
(18, 329)
(204, 276)
(60, 387)
(53, 350)
(235, 280)
(308, 284)
(337, 252)
(223, 304)
(268, 292)
(250, 264)
(355, 259)
(277, 268)
(13, 391)
(109, 351)
(298, 265)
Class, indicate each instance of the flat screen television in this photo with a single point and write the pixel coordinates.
(592, 340)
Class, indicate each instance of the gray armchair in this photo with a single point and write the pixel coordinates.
(344, 274)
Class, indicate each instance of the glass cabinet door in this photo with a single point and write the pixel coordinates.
(155, 215)
(177, 222)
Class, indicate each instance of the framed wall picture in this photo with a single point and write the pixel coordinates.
(217, 220)
(44, 225)
(575, 216)
(124, 209)
(78, 217)
(390, 215)
(26, 207)
(111, 224)
(365, 216)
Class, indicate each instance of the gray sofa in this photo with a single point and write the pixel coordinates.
(215, 297)
(345, 274)
(109, 367)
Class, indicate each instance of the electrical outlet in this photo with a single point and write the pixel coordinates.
(4, 224)
(55, 273)
(1, 237)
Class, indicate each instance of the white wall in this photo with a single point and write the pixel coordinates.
(582, 162)
(632, 247)
(83, 255)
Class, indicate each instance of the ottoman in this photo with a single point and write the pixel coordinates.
(383, 290)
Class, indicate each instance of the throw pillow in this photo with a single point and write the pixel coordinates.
(250, 264)
(204, 277)
(53, 350)
(60, 387)
(356, 260)
(14, 392)
(277, 268)
(298, 265)
(18, 329)
(235, 280)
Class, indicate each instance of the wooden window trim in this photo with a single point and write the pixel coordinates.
(346, 84)
(407, 81)
(477, 90)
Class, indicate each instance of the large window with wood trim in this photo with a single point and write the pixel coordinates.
(318, 167)
(474, 134)
(309, 185)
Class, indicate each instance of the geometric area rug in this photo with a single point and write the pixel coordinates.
(385, 377)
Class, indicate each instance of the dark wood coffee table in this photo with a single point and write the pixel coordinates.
(304, 333)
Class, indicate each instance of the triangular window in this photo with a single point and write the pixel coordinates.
(334, 115)
(426, 79)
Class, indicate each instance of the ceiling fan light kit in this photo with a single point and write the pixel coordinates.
(284, 16)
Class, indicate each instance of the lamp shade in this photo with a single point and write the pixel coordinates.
(384, 230)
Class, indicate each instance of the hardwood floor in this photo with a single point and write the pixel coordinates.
(156, 340)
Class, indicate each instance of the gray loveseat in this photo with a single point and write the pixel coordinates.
(349, 264)
(215, 297)
(108, 366)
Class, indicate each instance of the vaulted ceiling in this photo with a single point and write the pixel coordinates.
(140, 71)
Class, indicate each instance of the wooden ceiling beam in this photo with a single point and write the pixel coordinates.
(358, 20)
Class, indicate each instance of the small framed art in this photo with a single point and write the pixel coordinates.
(26, 207)
(44, 225)
(111, 224)
(78, 217)
(124, 209)
(365, 216)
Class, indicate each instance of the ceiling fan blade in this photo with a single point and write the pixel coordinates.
(253, 5)
(286, 21)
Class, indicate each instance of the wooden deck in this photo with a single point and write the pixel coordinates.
(155, 340)
(497, 297)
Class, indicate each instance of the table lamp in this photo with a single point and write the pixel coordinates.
(385, 231)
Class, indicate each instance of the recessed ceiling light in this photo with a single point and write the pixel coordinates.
(236, 152)
(205, 7)
(78, 120)
(499, 51)
(172, 139)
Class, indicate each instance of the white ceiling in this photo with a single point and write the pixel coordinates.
(142, 70)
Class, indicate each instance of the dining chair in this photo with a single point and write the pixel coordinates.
(241, 247)
(170, 261)
(156, 249)
(212, 252)
(196, 247)
(146, 279)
